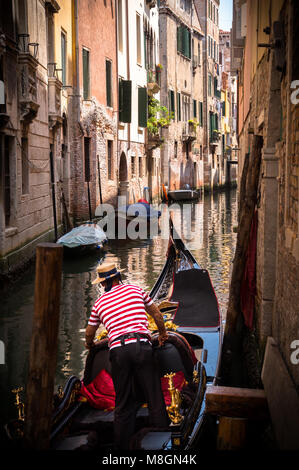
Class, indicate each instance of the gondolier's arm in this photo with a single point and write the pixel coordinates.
(89, 336)
(154, 312)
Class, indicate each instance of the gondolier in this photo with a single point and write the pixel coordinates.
(122, 310)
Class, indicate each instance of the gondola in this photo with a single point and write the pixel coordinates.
(189, 360)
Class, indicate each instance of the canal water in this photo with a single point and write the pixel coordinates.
(207, 228)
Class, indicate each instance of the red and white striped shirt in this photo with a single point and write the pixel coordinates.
(122, 311)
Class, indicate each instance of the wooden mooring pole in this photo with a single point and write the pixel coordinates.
(43, 351)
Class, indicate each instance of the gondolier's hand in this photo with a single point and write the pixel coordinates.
(89, 345)
(162, 338)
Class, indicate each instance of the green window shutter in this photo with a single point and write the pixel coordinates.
(194, 109)
(86, 77)
(125, 100)
(186, 42)
(189, 44)
(178, 100)
(179, 38)
(63, 58)
(215, 85)
(200, 114)
(108, 83)
(211, 124)
(142, 107)
(171, 102)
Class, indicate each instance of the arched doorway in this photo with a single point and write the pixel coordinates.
(123, 176)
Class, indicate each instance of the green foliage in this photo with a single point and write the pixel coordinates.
(158, 116)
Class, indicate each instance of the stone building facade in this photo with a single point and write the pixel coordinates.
(31, 119)
(138, 56)
(228, 85)
(182, 93)
(268, 106)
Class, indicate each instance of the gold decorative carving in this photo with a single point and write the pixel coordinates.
(173, 409)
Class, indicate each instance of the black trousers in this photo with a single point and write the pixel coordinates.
(135, 362)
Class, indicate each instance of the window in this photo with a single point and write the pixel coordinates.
(138, 38)
(142, 107)
(178, 105)
(63, 58)
(186, 107)
(194, 108)
(25, 166)
(87, 158)
(86, 74)
(120, 25)
(199, 52)
(200, 112)
(109, 83)
(125, 100)
(175, 149)
(171, 103)
(110, 159)
(184, 41)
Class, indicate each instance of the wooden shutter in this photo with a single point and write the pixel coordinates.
(108, 83)
(171, 102)
(125, 100)
(179, 39)
(200, 113)
(178, 105)
(142, 107)
(194, 108)
(63, 58)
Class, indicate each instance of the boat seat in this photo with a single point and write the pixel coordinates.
(176, 355)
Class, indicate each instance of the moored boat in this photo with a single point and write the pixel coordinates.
(183, 194)
(84, 238)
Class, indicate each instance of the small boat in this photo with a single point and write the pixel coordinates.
(189, 360)
(82, 239)
(141, 209)
(183, 194)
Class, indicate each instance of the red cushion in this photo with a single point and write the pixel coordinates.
(100, 392)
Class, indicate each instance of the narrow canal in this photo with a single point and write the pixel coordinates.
(213, 243)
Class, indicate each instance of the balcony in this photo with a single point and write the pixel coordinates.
(189, 132)
(153, 141)
(153, 81)
(215, 137)
(27, 64)
(54, 96)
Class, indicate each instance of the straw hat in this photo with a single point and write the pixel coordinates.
(106, 271)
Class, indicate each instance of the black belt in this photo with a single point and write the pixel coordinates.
(122, 338)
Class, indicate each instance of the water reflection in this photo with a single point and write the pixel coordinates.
(207, 227)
